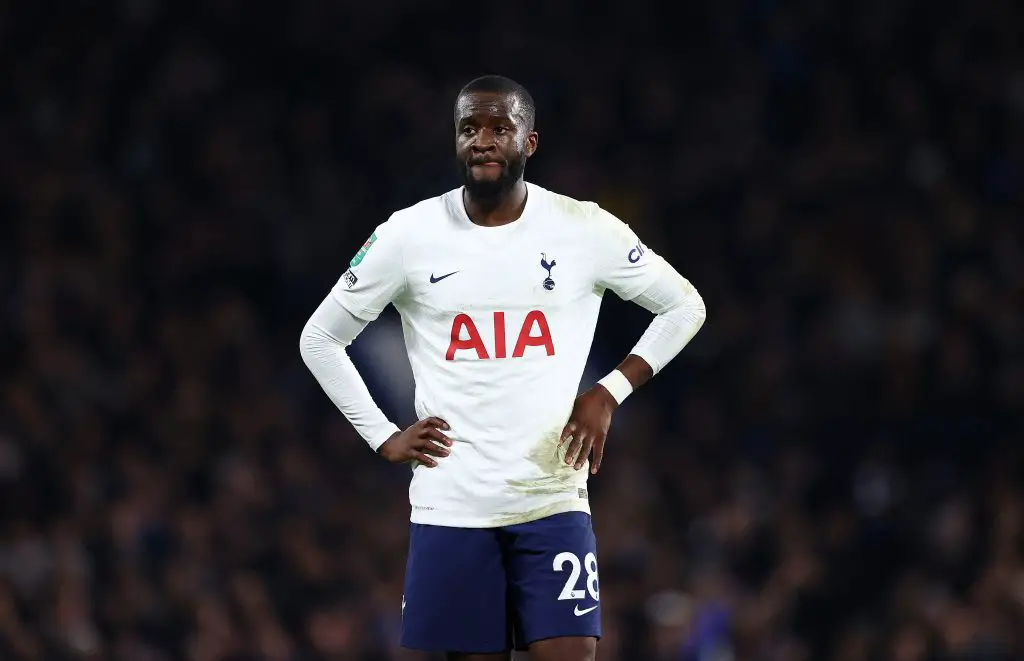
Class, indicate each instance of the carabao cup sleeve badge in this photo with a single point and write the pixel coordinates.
(362, 251)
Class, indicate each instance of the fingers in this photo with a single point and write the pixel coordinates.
(425, 460)
(573, 453)
(588, 442)
(567, 432)
(435, 434)
(598, 455)
(580, 447)
(431, 441)
(435, 422)
(429, 446)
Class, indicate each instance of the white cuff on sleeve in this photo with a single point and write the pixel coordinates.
(618, 385)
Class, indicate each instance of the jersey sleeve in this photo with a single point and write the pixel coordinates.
(375, 276)
(625, 264)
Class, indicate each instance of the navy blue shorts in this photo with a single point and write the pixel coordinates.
(487, 590)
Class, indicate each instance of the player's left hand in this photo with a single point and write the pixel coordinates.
(587, 428)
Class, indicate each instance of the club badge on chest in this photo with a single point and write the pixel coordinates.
(549, 282)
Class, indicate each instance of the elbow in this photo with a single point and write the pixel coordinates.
(693, 304)
(316, 345)
(309, 341)
(327, 333)
(700, 312)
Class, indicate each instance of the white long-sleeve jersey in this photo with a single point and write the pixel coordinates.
(498, 324)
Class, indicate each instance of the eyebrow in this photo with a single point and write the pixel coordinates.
(506, 119)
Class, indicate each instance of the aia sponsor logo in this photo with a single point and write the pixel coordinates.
(534, 335)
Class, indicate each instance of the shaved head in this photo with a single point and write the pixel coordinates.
(519, 100)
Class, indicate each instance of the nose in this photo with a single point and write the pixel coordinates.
(483, 142)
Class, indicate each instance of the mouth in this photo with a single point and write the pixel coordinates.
(486, 164)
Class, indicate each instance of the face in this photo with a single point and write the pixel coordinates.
(492, 143)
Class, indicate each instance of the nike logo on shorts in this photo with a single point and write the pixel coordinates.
(577, 612)
(440, 277)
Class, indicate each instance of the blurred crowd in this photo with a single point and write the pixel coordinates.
(832, 470)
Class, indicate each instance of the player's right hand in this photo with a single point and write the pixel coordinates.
(421, 442)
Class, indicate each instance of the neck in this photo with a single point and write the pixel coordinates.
(499, 210)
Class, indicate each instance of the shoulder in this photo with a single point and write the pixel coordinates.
(402, 226)
(589, 217)
(564, 206)
(424, 216)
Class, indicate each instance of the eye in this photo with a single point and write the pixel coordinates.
(500, 130)
(468, 130)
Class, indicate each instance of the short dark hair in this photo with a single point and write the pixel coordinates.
(494, 84)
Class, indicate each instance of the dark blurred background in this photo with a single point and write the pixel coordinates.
(831, 470)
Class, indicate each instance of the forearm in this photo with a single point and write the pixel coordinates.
(636, 370)
(323, 348)
(680, 313)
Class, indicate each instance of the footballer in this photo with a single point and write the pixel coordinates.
(498, 284)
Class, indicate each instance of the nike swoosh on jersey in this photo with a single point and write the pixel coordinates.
(441, 277)
(577, 612)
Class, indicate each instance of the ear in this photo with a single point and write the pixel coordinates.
(531, 143)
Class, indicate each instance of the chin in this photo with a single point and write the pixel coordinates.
(485, 188)
(485, 178)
